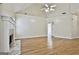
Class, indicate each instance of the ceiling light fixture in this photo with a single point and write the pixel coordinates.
(48, 8)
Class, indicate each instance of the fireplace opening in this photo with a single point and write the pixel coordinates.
(10, 40)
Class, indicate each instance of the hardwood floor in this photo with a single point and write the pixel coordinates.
(38, 46)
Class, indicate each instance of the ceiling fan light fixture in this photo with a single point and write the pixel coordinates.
(46, 10)
(52, 9)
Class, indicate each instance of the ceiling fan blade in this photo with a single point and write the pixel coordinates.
(46, 5)
(53, 6)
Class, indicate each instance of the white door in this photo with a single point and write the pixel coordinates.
(74, 28)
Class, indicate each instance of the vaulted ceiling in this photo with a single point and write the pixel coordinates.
(35, 8)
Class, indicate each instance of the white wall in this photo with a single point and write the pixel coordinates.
(30, 26)
(4, 38)
(62, 22)
(77, 26)
(63, 26)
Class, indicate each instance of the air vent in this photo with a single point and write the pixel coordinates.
(64, 13)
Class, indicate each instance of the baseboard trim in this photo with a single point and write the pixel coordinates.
(66, 37)
(75, 37)
(31, 37)
(46, 36)
(63, 37)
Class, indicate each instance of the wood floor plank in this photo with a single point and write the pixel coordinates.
(38, 46)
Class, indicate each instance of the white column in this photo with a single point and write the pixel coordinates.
(50, 42)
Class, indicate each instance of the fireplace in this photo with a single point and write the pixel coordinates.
(7, 34)
(10, 40)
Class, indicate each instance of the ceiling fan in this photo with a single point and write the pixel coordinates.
(48, 8)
